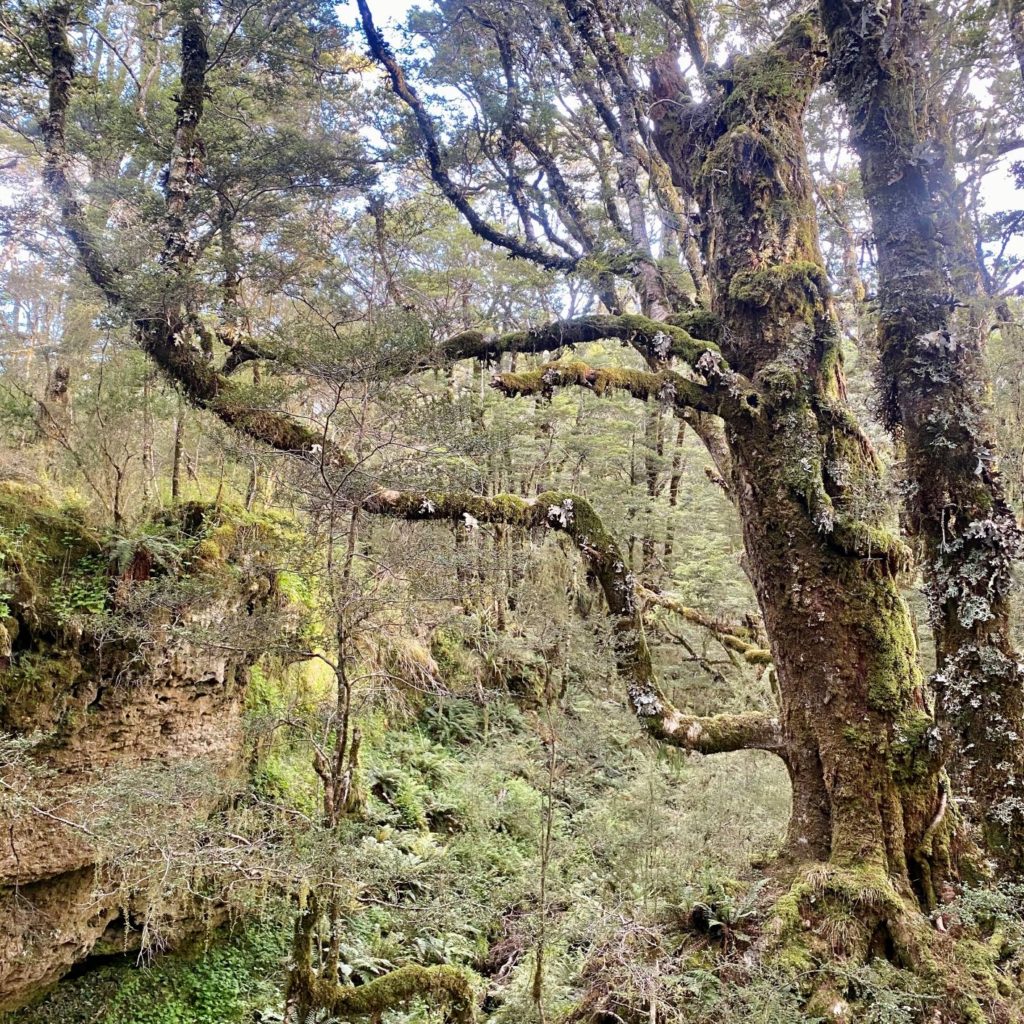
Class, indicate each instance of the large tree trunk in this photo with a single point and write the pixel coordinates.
(853, 709)
(931, 334)
(869, 796)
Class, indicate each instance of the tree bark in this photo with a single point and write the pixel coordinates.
(931, 331)
(867, 782)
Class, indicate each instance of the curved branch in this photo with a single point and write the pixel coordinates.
(207, 388)
(576, 517)
(161, 339)
(57, 163)
(736, 638)
(383, 54)
(442, 984)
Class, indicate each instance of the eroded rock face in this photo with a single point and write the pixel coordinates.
(101, 716)
(52, 908)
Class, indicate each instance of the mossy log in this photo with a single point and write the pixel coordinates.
(440, 985)
(309, 991)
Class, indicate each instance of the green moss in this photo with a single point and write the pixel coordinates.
(36, 690)
(796, 959)
(860, 738)
(50, 561)
(699, 323)
(797, 285)
(459, 667)
(863, 540)
(912, 755)
(296, 588)
(59, 579)
(762, 81)
(682, 343)
(208, 551)
(894, 673)
(445, 985)
(228, 532)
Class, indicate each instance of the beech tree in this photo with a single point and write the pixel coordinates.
(933, 318)
(684, 200)
(870, 792)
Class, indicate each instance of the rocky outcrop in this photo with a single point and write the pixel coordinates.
(123, 709)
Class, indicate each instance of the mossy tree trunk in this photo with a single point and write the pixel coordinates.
(866, 787)
(931, 334)
(869, 793)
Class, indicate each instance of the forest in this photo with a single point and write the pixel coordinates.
(511, 511)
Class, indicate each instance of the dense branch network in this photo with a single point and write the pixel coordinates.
(438, 172)
(732, 636)
(164, 334)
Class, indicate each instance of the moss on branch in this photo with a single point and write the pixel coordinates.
(720, 734)
(576, 517)
(441, 985)
(736, 638)
(730, 395)
(686, 337)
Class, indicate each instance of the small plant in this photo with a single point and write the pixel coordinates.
(81, 591)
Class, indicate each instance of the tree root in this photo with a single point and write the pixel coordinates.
(835, 925)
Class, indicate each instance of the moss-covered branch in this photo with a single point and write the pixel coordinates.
(687, 336)
(727, 395)
(736, 638)
(207, 388)
(310, 992)
(441, 985)
(576, 517)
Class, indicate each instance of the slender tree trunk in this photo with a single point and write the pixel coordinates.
(675, 478)
(177, 451)
(1015, 18)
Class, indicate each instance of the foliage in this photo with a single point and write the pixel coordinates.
(230, 977)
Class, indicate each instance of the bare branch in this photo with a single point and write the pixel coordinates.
(522, 248)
